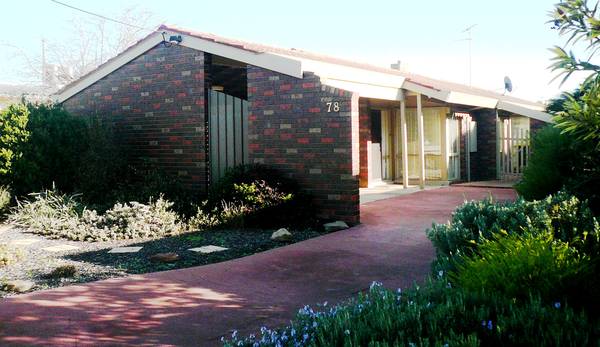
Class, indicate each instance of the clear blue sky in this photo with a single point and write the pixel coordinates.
(511, 37)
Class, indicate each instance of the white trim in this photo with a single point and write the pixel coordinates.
(268, 61)
(365, 90)
(525, 111)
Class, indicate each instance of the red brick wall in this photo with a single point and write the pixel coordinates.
(156, 103)
(291, 130)
(483, 162)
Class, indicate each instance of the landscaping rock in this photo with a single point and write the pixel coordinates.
(60, 248)
(281, 235)
(335, 226)
(18, 286)
(208, 249)
(125, 250)
(165, 257)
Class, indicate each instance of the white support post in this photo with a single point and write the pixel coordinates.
(468, 146)
(404, 141)
(421, 130)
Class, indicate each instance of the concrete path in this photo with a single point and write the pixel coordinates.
(196, 306)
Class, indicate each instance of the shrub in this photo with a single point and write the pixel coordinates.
(248, 204)
(262, 195)
(8, 255)
(432, 315)
(549, 166)
(475, 221)
(13, 133)
(63, 271)
(63, 216)
(5, 200)
(52, 152)
(520, 266)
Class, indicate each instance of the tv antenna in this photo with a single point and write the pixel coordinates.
(470, 40)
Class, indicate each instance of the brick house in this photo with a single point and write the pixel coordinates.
(198, 104)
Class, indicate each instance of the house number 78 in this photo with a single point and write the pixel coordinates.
(333, 106)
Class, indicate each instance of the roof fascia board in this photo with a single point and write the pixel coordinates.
(112, 65)
(350, 74)
(268, 61)
(430, 92)
(365, 90)
(472, 100)
(525, 111)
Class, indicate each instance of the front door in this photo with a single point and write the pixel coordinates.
(453, 145)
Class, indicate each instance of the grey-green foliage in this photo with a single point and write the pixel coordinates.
(63, 216)
(566, 216)
(5, 199)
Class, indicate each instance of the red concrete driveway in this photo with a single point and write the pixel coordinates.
(196, 306)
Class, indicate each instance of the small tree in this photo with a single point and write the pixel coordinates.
(578, 115)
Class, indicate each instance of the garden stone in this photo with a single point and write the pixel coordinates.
(60, 248)
(281, 235)
(208, 249)
(335, 226)
(125, 250)
(165, 257)
(18, 286)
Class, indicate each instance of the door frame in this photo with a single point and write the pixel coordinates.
(449, 148)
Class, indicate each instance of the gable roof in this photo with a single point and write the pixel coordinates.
(365, 79)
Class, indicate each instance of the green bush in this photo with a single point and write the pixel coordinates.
(550, 165)
(52, 152)
(476, 221)
(263, 196)
(249, 204)
(519, 266)
(63, 216)
(13, 134)
(432, 315)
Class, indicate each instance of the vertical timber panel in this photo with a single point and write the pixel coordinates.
(237, 131)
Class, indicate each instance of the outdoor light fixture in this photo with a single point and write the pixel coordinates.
(173, 39)
(217, 88)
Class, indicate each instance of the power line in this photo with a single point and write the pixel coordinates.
(102, 16)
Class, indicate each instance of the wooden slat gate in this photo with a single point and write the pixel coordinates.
(514, 147)
(228, 133)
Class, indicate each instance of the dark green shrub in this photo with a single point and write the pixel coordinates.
(550, 165)
(52, 153)
(519, 266)
(431, 315)
(13, 134)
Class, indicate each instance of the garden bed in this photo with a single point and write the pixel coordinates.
(94, 262)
